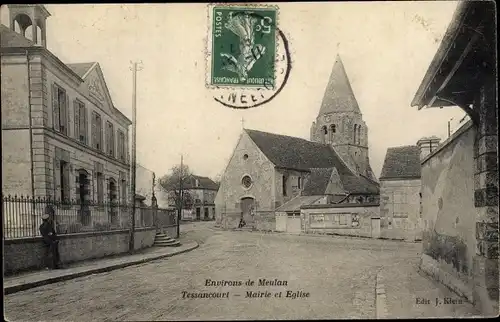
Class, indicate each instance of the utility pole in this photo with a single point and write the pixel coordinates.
(133, 164)
(181, 196)
(449, 127)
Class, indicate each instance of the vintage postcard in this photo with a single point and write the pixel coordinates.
(249, 161)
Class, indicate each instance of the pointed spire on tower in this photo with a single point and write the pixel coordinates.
(339, 96)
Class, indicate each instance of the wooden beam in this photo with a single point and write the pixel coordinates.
(457, 65)
(471, 112)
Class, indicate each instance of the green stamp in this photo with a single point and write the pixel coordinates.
(243, 47)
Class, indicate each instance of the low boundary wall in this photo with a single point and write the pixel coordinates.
(28, 253)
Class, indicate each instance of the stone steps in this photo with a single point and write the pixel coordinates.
(163, 240)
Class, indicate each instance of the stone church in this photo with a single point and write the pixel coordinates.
(269, 171)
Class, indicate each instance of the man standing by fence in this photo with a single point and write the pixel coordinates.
(50, 239)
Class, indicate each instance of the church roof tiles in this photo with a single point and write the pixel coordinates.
(401, 162)
(339, 96)
(319, 159)
(294, 153)
(318, 182)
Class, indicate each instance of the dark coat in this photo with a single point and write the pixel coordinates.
(48, 233)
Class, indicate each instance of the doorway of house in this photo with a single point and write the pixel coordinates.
(198, 213)
(206, 214)
(247, 211)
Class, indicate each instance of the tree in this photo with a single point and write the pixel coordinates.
(171, 184)
(217, 179)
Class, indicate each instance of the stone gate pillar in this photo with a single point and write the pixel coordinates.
(154, 211)
(485, 267)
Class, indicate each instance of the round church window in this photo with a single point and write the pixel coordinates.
(246, 182)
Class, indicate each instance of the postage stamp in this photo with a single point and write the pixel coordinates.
(243, 46)
(248, 58)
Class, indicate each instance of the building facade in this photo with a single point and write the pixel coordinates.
(400, 191)
(201, 199)
(62, 136)
(460, 178)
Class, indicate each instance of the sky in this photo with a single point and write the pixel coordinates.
(386, 48)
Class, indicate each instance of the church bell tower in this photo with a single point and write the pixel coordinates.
(340, 123)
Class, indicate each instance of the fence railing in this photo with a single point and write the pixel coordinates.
(22, 216)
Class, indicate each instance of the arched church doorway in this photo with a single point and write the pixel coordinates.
(247, 205)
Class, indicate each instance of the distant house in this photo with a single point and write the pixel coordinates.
(202, 191)
(400, 187)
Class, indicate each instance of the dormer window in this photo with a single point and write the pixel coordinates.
(196, 183)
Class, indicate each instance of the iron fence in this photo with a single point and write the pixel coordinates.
(22, 216)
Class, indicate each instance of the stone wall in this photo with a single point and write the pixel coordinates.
(448, 211)
(400, 209)
(16, 165)
(28, 253)
(358, 220)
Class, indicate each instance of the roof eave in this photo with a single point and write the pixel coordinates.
(444, 48)
(41, 50)
(394, 178)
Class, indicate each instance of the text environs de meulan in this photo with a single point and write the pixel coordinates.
(261, 282)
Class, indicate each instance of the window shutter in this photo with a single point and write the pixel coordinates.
(76, 107)
(84, 124)
(66, 120)
(77, 186)
(57, 179)
(94, 130)
(63, 115)
(55, 108)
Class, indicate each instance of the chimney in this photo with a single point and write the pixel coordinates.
(427, 145)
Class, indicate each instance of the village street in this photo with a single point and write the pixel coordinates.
(339, 275)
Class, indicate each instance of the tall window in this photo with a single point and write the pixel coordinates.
(355, 133)
(80, 122)
(359, 134)
(97, 131)
(298, 182)
(284, 185)
(121, 145)
(100, 187)
(60, 109)
(64, 180)
(110, 139)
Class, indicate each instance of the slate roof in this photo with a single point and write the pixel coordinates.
(203, 183)
(295, 153)
(339, 96)
(10, 38)
(297, 202)
(81, 68)
(401, 162)
(298, 154)
(318, 182)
